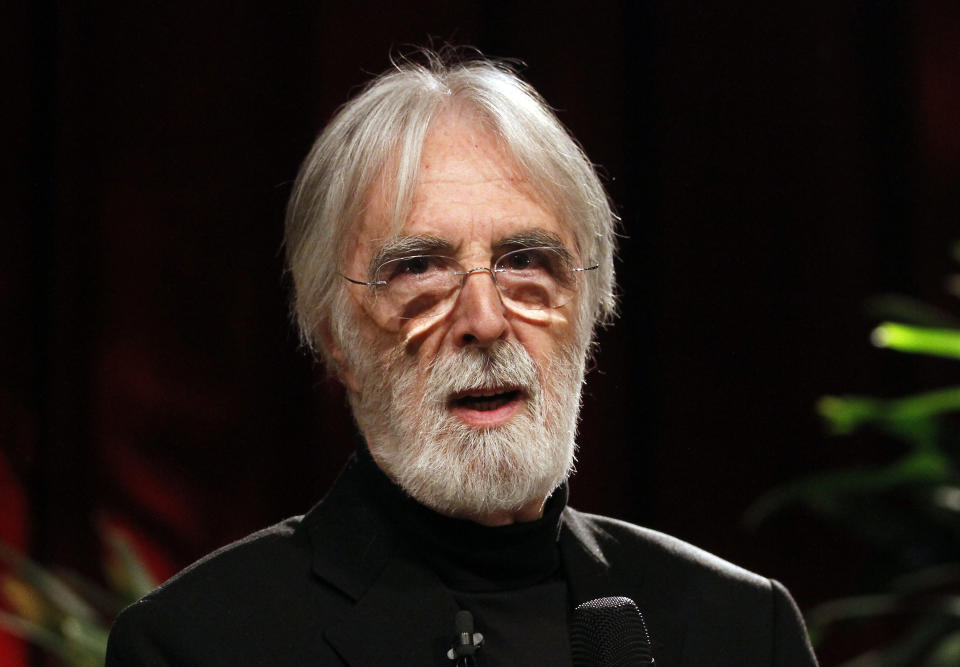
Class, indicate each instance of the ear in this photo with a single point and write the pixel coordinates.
(336, 354)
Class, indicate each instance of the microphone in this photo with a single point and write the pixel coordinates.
(609, 632)
(467, 642)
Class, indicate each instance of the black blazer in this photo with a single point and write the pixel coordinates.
(331, 588)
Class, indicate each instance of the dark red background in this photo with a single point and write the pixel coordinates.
(774, 165)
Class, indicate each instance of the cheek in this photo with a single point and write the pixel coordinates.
(545, 340)
(424, 339)
(542, 336)
(543, 350)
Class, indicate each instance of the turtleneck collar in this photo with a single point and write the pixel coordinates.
(466, 555)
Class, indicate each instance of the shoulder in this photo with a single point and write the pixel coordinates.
(232, 597)
(626, 545)
(701, 609)
(256, 560)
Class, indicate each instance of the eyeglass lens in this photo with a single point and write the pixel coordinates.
(427, 285)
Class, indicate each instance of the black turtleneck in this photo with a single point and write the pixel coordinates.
(508, 577)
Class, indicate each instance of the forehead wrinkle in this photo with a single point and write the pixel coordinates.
(483, 177)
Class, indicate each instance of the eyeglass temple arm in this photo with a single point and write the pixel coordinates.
(583, 268)
(375, 283)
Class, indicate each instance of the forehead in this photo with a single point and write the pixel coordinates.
(468, 192)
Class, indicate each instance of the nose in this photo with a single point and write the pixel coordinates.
(479, 316)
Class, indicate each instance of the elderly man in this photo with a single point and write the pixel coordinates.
(452, 252)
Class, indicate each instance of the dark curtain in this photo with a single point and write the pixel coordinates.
(773, 164)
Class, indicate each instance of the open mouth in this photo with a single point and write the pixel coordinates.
(483, 400)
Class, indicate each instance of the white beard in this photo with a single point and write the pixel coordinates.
(458, 469)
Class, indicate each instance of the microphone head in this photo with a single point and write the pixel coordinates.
(609, 632)
(463, 622)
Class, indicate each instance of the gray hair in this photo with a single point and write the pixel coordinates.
(382, 130)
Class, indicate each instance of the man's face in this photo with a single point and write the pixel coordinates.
(486, 392)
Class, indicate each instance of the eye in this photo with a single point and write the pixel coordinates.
(522, 259)
(413, 268)
(414, 265)
(528, 260)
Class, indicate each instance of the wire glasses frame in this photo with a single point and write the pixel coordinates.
(418, 286)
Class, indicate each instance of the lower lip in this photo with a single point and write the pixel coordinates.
(495, 417)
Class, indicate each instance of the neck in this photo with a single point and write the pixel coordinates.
(504, 552)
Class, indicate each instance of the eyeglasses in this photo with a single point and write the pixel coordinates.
(420, 286)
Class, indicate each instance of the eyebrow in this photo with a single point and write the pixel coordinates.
(534, 238)
(531, 238)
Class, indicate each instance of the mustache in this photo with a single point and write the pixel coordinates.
(503, 364)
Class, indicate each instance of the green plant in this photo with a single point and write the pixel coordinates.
(66, 614)
(908, 510)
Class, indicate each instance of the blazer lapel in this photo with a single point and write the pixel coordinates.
(405, 618)
(403, 614)
(586, 568)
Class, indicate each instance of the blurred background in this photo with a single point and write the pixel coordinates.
(776, 166)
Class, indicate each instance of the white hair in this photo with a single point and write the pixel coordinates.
(377, 138)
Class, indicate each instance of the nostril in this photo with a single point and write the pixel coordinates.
(469, 338)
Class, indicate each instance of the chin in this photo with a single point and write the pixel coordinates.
(465, 470)
(485, 431)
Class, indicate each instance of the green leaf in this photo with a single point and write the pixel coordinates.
(70, 651)
(89, 637)
(918, 340)
(849, 608)
(126, 571)
(823, 490)
(928, 579)
(51, 587)
(912, 419)
(846, 414)
(911, 650)
(934, 627)
(947, 652)
(953, 285)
